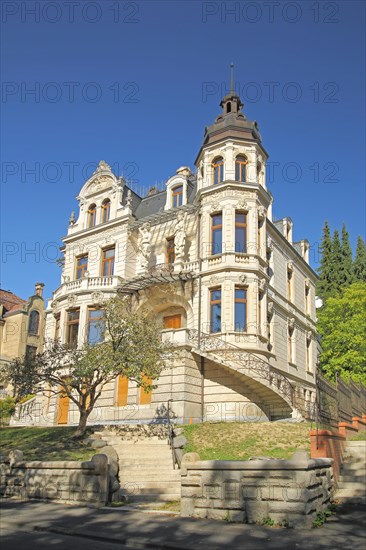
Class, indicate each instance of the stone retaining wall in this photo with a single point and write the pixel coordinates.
(286, 491)
(70, 482)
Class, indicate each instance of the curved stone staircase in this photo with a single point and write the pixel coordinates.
(268, 386)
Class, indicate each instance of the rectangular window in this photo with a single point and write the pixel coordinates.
(72, 327)
(145, 397)
(30, 352)
(108, 262)
(122, 391)
(177, 196)
(215, 310)
(289, 285)
(170, 251)
(259, 242)
(290, 346)
(308, 355)
(216, 233)
(57, 327)
(81, 266)
(96, 326)
(240, 309)
(240, 232)
(260, 295)
(307, 300)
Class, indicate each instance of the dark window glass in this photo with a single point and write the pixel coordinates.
(216, 231)
(240, 232)
(33, 325)
(215, 307)
(96, 326)
(240, 309)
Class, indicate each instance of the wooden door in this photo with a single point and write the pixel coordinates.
(63, 408)
(122, 391)
(173, 321)
(145, 398)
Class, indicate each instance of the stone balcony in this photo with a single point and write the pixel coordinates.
(86, 284)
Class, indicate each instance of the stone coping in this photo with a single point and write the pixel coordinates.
(328, 433)
(258, 464)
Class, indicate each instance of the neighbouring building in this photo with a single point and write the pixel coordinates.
(206, 257)
(22, 324)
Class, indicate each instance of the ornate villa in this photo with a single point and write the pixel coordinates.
(204, 256)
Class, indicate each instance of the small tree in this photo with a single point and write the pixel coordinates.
(342, 328)
(132, 347)
(324, 284)
(336, 264)
(346, 270)
(359, 265)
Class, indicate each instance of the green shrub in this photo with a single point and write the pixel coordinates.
(7, 408)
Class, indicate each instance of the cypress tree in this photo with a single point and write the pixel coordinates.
(359, 265)
(325, 281)
(346, 267)
(336, 262)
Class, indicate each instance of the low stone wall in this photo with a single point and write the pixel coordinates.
(286, 491)
(70, 482)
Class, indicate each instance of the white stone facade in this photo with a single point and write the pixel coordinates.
(259, 359)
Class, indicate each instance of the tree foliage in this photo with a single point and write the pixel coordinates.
(346, 267)
(359, 266)
(132, 348)
(342, 326)
(325, 282)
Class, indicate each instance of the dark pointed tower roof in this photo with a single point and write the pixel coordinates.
(231, 123)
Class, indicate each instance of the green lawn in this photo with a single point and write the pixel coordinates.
(242, 440)
(45, 443)
(360, 436)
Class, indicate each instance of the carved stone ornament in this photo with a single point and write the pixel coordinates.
(71, 300)
(97, 297)
(269, 244)
(290, 266)
(214, 280)
(215, 207)
(307, 284)
(72, 219)
(243, 279)
(270, 308)
(261, 212)
(66, 278)
(291, 323)
(243, 205)
(102, 166)
(309, 334)
(180, 235)
(262, 285)
(54, 306)
(129, 199)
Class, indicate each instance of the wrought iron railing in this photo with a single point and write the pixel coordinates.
(170, 430)
(251, 365)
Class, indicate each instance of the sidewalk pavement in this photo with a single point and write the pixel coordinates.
(143, 529)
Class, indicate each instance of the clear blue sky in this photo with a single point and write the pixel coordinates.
(135, 83)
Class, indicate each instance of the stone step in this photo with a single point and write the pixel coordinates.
(350, 497)
(151, 476)
(356, 444)
(153, 498)
(352, 486)
(353, 478)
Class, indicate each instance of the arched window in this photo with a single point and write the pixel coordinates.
(92, 215)
(218, 170)
(33, 324)
(241, 168)
(106, 210)
(228, 108)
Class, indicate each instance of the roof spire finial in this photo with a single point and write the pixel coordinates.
(232, 86)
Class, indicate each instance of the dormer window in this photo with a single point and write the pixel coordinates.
(218, 170)
(241, 168)
(177, 196)
(106, 210)
(92, 215)
(228, 107)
